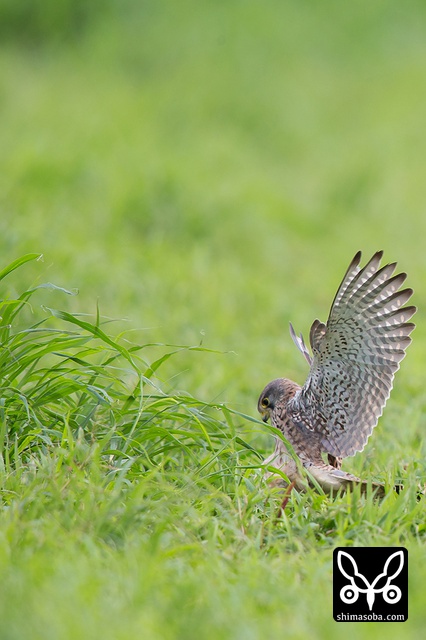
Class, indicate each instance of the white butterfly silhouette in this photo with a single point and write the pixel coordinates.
(350, 592)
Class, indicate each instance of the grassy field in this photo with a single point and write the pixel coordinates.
(196, 175)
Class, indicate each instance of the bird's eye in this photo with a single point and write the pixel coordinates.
(265, 403)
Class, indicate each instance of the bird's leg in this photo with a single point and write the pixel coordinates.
(285, 499)
(334, 462)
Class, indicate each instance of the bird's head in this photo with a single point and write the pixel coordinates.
(272, 393)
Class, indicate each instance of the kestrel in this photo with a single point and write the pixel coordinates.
(355, 357)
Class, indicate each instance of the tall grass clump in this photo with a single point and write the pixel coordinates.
(69, 391)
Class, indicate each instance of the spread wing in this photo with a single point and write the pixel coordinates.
(355, 357)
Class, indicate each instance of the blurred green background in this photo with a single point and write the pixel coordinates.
(205, 170)
(208, 169)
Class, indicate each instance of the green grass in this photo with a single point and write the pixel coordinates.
(195, 175)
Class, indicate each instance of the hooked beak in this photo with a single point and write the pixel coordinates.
(265, 417)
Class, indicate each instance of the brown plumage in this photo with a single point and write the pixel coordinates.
(355, 357)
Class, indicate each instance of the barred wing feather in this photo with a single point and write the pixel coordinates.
(355, 357)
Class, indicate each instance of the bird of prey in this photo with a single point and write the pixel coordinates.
(354, 359)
